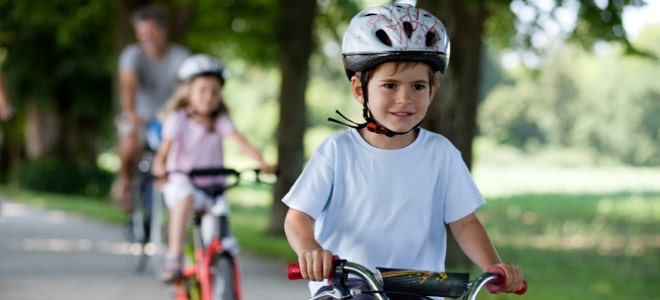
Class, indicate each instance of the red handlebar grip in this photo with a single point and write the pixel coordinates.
(293, 271)
(497, 286)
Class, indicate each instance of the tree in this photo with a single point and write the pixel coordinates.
(295, 38)
(58, 76)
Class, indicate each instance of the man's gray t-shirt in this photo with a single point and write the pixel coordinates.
(156, 78)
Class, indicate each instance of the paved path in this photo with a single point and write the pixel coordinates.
(57, 256)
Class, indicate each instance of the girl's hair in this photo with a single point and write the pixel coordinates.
(180, 99)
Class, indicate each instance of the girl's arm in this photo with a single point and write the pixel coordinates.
(315, 262)
(253, 153)
(158, 167)
(475, 243)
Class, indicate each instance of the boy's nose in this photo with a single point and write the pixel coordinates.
(404, 96)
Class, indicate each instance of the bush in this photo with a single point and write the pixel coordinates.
(50, 175)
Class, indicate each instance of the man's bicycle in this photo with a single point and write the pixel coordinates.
(146, 204)
(211, 269)
(421, 284)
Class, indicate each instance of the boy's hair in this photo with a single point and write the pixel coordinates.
(401, 65)
(152, 12)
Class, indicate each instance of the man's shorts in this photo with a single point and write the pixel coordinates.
(125, 127)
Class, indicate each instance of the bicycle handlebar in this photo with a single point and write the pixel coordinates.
(423, 283)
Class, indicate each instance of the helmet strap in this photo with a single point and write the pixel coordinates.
(370, 123)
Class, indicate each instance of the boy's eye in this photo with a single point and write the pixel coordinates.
(389, 85)
(419, 86)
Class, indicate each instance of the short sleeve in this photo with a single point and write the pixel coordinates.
(128, 59)
(173, 125)
(224, 125)
(462, 195)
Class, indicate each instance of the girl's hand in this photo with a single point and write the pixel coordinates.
(514, 277)
(316, 264)
(263, 167)
(158, 171)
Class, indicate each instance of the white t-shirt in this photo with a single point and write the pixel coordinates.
(385, 208)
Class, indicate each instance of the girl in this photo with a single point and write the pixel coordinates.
(196, 123)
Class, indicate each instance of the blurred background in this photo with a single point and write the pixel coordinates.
(554, 104)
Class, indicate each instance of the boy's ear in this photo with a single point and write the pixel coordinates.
(434, 89)
(356, 89)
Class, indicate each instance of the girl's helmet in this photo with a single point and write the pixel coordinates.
(202, 64)
(394, 32)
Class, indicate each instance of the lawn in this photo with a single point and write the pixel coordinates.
(579, 233)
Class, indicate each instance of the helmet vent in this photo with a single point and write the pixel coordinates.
(431, 38)
(407, 28)
(383, 38)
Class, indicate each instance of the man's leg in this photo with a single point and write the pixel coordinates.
(128, 151)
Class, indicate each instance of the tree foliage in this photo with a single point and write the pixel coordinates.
(58, 53)
(606, 104)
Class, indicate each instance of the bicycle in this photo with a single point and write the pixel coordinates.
(140, 223)
(211, 270)
(423, 284)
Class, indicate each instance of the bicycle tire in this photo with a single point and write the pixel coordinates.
(158, 235)
(136, 232)
(223, 278)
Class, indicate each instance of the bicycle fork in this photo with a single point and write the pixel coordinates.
(198, 283)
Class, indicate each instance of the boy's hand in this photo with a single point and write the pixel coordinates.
(514, 277)
(316, 264)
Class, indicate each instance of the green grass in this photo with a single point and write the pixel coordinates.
(580, 246)
(571, 244)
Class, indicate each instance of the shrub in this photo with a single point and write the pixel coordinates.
(51, 175)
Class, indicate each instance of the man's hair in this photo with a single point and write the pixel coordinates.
(152, 12)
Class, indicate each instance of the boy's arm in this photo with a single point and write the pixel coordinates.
(315, 262)
(475, 243)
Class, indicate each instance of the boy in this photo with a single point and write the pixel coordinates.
(381, 194)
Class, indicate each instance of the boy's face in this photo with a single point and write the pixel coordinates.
(399, 94)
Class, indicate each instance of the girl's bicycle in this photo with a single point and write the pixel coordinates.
(422, 284)
(211, 270)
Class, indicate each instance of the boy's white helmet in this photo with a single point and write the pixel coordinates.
(394, 32)
(202, 64)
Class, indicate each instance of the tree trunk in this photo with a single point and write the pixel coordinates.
(454, 109)
(297, 44)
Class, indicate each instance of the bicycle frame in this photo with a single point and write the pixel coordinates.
(214, 256)
(493, 280)
(139, 220)
(200, 270)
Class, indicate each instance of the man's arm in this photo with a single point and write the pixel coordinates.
(127, 87)
(5, 108)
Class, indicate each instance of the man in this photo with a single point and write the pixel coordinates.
(147, 77)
